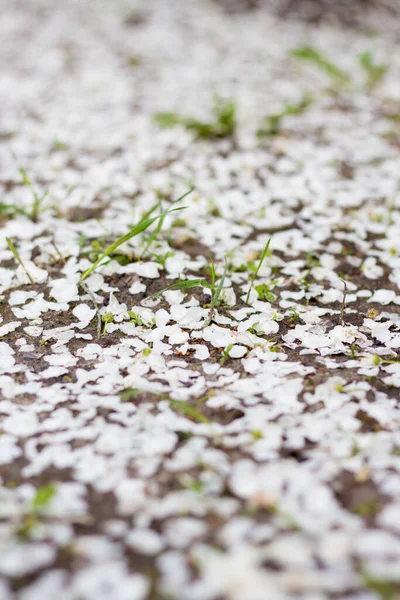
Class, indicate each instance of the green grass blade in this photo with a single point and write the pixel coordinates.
(182, 285)
(139, 228)
(167, 120)
(143, 224)
(263, 256)
(160, 224)
(189, 411)
(217, 294)
(309, 54)
(18, 258)
(374, 72)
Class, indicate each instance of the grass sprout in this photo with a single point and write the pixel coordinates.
(18, 258)
(311, 55)
(385, 589)
(217, 290)
(182, 285)
(263, 256)
(185, 409)
(272, 123)
(374, 72)
(37, 199)
(223, 125)
(32, 516)
(11, 210)
(186, 284)
(145, 222)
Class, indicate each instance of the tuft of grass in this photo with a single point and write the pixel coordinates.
(217, 290)
(106, 318)
(128, 394)
(9, 210)
(43, 496)
(264, 291)
(185, 409)
(18, 258)
(374, 72)
(253, 277)
(37, 199)
(223, 125)
(272, 123)
(182, 285)
(311, 55)
(385, 589)
(32, 515)
(185, 284)
(146, 221)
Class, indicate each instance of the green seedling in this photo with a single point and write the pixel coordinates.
(264, 291)
(263, 256)
(60, 146)
(135, 318)
(107, 318)
(312, 56)
(223, 125)
(216, 291)
(43, 496)
(146, 221)
(9, 210)
(18, 258)
(37, 199)
(385, 589)
(182, 285)
(39, 503)
(189, 411)
(272, 123)
(128, 394)
(225, 354)
(377, 360)
(374, 72)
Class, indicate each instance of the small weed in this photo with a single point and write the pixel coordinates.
(39, 502)
(374, 72)
(17, 257)
(216, 290)
(107, 318)
(146, 351)
(272, 123)
(43, 496)
(311, 55)
(225, 354)
(134, 318)
(385, 589)
(37, 199)
(366, 509)
(257, 434)
(186, 284)
(223, 125)
(196, 485)
(189, 411)
(263, 256)
(59, 146)
(264, 291)
(134, 61)
(9, 210)
(128, 394)
(146, 221)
